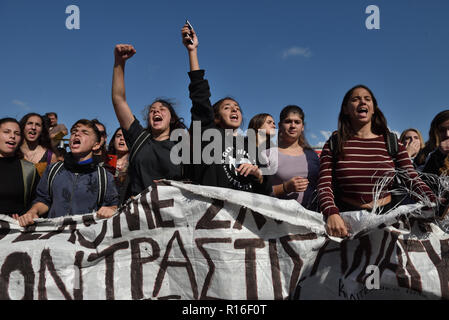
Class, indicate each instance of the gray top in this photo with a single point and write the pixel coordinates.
(286, 167)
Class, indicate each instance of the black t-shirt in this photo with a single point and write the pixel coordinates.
(151, 162)
(11, 187)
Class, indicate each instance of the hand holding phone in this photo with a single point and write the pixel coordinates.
(190, 34)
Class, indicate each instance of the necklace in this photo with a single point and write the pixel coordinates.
(34, 156)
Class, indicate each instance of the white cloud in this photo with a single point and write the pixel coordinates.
(297, 51)
(21, 104)
(326, 135)
(398, 133)
(320, 144)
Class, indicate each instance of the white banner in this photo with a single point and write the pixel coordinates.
(194, 242)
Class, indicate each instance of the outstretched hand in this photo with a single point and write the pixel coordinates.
(123, 52)
(189, 36)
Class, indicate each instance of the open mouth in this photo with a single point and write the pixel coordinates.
(76, 142)
(234, 117)
(32, 134)
(362, 110)
(11, 144)
(157, 119)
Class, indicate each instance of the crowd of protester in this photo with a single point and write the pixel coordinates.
(43, 180)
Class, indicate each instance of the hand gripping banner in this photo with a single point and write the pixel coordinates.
(181, 241)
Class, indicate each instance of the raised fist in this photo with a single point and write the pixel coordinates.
(123, 52)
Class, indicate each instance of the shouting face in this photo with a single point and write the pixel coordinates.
(33, 129)
(83, 141)
(9, 138)
(360, 107)
(229, 115)
(119, 142)
(159, 118)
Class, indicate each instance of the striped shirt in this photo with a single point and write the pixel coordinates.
(364, 163)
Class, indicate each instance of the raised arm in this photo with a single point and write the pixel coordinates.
(122, 52)
(189, 36)
(199, 87)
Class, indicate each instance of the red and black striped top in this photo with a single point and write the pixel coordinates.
(363, 163)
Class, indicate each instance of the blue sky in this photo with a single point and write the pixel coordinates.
(266, 54)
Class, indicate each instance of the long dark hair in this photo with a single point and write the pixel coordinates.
(104, 134)
(44, 138)
(434, 137)
(176, 122)
(257, 122)
(217, 105)
(345, 129)
(18, 153)
(302, 141)
(111, 147)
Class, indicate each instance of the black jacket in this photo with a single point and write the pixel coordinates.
(234, 150)
(435, 162)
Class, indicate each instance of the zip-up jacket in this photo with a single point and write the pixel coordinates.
(75, 189)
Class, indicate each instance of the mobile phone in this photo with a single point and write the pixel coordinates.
(190, 28)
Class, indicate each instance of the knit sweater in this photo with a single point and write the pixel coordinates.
(363, 163)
